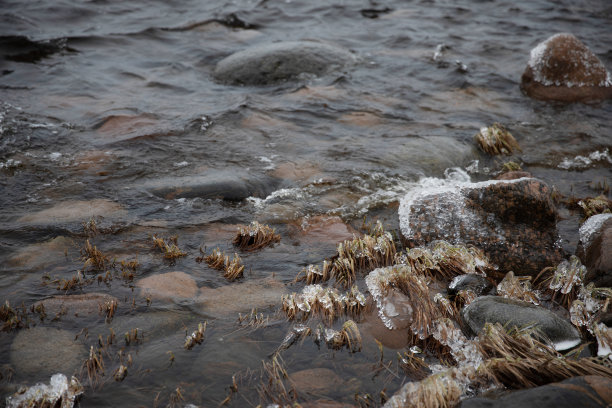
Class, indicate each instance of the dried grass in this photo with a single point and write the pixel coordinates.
(94, 366)
(496, 140)
(255, 236)
(517, 287)
(233, 269)
(197, 337)
(170, 248)
(272, 388)
(435, 391)
(564, 282)
(93, 257)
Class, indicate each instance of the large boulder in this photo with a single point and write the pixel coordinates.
(562, 68)
(595, 249)
(585, 392)
(512, 221)
(272, 63)
(515, 313)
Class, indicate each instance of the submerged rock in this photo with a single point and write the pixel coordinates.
(562, 68)
(272, 63)
(41, 351)
(510, 313)
(595, 249)
(513, 222)
(221, 185)
(82, 305)
(168, 286)
(70, 211)
(316, 380)
(585, 392)
(476, 283)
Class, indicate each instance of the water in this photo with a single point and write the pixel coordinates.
(102, 100)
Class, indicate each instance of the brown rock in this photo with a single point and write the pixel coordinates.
(562, 68)
(329, 229)
(43, 254)
(82, 305)
(70, 211)
(513, 175)
(513, 222)
(315, 380)
(122, 127)
(361, 119)
(168, 286)
(595, 249)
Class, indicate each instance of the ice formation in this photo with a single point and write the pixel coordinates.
(591, 227)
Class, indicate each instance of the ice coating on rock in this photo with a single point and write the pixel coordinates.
(60, 392)
(591, 227)
(584, 68)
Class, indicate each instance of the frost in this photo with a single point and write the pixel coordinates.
(583, 162)
(591, 227)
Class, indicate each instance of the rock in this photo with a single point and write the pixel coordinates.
(513, 175)
(44, 254)
(242, 297)
(372, 325)
(585, 392)
(325, 229)
(272, 63)
(215, 184)
(315, 380)
(70, 211)
(39, 352)
(513, 222)
(168, 286)
(595, 249)
(476, 283)
(83, 305)
(123, 127)
(510, 312)
(562, 68)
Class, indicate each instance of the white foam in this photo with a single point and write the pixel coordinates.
(591, 227)
(583, 162)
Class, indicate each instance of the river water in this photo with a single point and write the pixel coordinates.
(105, 103)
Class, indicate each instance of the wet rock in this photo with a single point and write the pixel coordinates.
(272, 63)
(585, 392)
(221, 185)
(513, 175)
(123, 127)
(476, 283)
(373, 326)
(168, 286)
(562, 68)
(595, 249)
(296, 171)
(510, 312)
(83, 305)
(315, 380)
(70, 211)
(325, 229)
(40, 352)
(513, 222)
(41, 255)
(242, 297)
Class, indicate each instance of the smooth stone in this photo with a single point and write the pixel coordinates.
(510, 312)
(595, 249)
(70, 211)
(82, 305)
(372, 325)
(584, 392)
(168, 286)
(216, 184)
(277, 62)
(513, 222)
(316, 380)
(40, 352)
(476, 283)
(242, 297)
(38, 256)
(325, 229)
(562, 68)
(123, 127)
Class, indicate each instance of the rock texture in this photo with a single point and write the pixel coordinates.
(513, 222)
(585, 392)
(272, 63)
(595, 249)
(168, 286)
(562, 68)
(510, 312)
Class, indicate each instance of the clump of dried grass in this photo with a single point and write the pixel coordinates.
(93, 257)
(496, 140)
(273, 388)
(197, 337)
(169, 248)
(94, 367)
(12, 318)
(518, 360)
(413, 366)
(593, 206)
(327, 303)
(108, 309)
(349, 337)
(313, 274)
(435, 391)
(255, 236)
(233, 269)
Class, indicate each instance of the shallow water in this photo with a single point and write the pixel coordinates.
(103, 101)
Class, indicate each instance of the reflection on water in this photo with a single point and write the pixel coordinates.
(109, 112)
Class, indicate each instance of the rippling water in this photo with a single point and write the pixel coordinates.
(108, 101)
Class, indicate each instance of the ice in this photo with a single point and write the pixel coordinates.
(59, 393)
(591, 227)
(568, 275)
(181, 164)
(583, 162)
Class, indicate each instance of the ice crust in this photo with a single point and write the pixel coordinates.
(583, 162)
(591, 227)
(59, 390)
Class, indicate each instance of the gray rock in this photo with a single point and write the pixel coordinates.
(585, 392)
(476, 283)
(40, 352)
(510, 312)
(513, 222)
(595, 249)
(217, 184)
(272, 63)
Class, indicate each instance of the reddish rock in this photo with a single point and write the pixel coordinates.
(322, 228)
(563, 69)
(315, 380)
(513, 175)
(168, 286)
(70, 211)
(595, 249)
